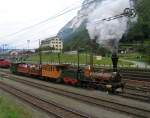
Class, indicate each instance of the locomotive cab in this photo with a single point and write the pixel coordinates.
(72, 76)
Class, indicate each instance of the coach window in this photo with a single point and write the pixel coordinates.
(46, 68)
(43, 68)
(49, 68)
(57, 68)
(52, 68)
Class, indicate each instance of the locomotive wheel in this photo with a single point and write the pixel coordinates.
(78, 84)
(59, 80)
(111, 91)
(41, 78)
(46, 79)
(100, 88)
(84, 85)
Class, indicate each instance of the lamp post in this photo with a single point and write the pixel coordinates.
(28, 42)
(3, 48)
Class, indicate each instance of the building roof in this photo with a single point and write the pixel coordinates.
(50, 38)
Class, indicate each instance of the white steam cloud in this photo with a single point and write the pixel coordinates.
(108, 33)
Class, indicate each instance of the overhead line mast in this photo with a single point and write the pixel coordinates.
(128, 12)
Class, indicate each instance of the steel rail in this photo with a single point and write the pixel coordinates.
(102, 102)
(50, 107)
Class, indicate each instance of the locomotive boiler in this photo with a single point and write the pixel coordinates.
(87, 76)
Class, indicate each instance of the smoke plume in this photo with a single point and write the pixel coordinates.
(108, 33)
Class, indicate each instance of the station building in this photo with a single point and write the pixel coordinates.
(54, 42)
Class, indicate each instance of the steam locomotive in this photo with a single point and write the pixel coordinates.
(65, 73)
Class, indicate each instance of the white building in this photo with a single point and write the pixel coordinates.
(53, 42)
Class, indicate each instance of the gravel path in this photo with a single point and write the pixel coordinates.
(77, 105)
(97, 94)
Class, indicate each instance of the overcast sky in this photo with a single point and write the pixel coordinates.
(18, 14)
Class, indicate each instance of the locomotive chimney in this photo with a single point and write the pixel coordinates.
(114, 61)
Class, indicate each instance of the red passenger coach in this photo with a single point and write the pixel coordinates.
(29, 69)
(23, 68)
(34, 70)
(4, 63)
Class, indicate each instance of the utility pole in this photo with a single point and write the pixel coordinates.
(40, 53)
(86, 57)
(92, 45)
(3, 48)
(78, 70)
(58, 58)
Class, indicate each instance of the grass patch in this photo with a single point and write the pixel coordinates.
(136, 57)
(10, 109)
(72, 58)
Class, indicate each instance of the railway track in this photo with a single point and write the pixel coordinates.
(51, 108)
(137, 86)
(143, 89)
(132, 94)
(136, 96)
(140, 76)
(131, 75)
(138, 82)
(101, 102)
(138, 90)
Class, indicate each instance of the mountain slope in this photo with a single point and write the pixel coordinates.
(79, 20)
(78, 37)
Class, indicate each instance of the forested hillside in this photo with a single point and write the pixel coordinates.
(141, 29)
